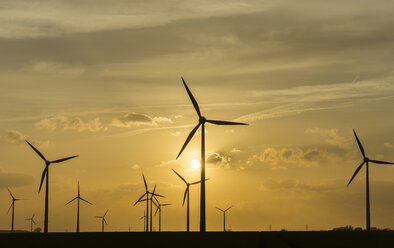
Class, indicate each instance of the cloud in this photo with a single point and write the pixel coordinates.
(9, 179)
(135, 167)
(17, 137)
(388, 145)
(70, 123)
(332, 137)
(135, 119)
(51, 67)
(221, 160)
(283, 158)
(176, 133)
(294, 185)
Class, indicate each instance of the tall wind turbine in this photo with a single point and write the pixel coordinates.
(201, 122)
(13, 208)
(152, 199)
(147, 199)
(144, 217)
(102, 220)
(31, 219)
(186, 197)
(224, 216)
(159, 205)
(78, 197)
(366, 161)
(45, 173)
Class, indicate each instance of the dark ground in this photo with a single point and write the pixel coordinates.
(211, 239)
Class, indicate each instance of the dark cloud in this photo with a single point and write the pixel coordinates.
(221, 160)
(9, 179)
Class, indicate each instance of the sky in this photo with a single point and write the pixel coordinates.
(102, 80)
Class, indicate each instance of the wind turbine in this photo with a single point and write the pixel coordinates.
(151, 199)
(159, 205)
(147, 193)
(144, 217)
(366, 161)
(224, 216)
(31, 219)
(186, 196)
(201, 122)
(102, 220)
(13, 208)
(46, 173)
(78, 197)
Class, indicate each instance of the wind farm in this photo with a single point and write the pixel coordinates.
(196, 124)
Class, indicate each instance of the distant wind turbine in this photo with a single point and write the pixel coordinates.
(45, 173)
(152, 199)
(144, 217)
(201, 122)
(78, 197)
(366, 161)
(102, 220)
(159, 205)
(224, 217)
(147, 199)
(13, 208)
(31, 219)
(186, 196)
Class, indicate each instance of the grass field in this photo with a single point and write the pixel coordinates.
(211, 239)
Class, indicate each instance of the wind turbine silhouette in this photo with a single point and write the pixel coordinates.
(366, 161)
(224, 217)
(78, 197)
(31, 219)
(45, 173)
(151, 199)
(159, 205)
(147, 199)
(201, 122)
(13, 208)
(102, 220)
(186, 196)
(144, 217)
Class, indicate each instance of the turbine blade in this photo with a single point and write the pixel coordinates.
(199, 181)
(192, 98)
(184, 197)
(139, 200)
(37, 151)
(63, 159)
(155, 203)
(380, 162)
(98, 217)
(71, 201)
(157, 209)
(78, 189)
(33, 216)
(219, 209)
(359, 144)
(105, 221)
(105, 213)
(355, 173)
(225, 122)
(228, 208)
(154, 189)
(146, 185)
(10, 207)
(9, 191)
(188, 139)
(179, 176)
(33, 221)
(158, 195)
(42, 177)
(166, 204)
(86, 201)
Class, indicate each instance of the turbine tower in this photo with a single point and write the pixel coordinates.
(159, 205)
(102, 220)
(224, 216)
(13, 208)
(78, 197)
(201, 122)
(45, 173)
(31, 219)
(366, 161)
(186, 197)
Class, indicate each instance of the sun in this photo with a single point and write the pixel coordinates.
(195, 163)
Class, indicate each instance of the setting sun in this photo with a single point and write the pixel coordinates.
(195, 163)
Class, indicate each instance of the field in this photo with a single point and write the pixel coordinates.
(287, 239)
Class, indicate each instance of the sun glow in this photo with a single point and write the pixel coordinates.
(195, 163)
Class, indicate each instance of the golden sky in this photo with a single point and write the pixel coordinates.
(102, 79)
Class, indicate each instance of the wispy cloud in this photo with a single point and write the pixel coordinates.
(16, 137)
(70, 123)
